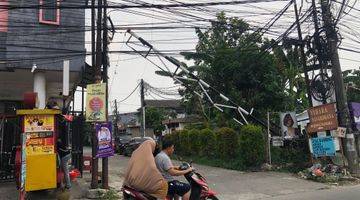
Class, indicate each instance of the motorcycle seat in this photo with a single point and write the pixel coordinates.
(147, 196)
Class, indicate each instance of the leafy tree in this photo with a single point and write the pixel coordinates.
(352, 80)
(233, 60)
(154, 118)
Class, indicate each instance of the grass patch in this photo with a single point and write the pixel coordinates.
(111, 195)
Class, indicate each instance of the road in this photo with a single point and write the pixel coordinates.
(235, 185)
(229, 184)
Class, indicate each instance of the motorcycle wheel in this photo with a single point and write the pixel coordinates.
(212, 198)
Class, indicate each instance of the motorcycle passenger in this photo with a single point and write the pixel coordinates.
(168, 170)
(142, 173)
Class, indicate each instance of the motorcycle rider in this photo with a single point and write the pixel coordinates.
(168, 170)
(142, 173)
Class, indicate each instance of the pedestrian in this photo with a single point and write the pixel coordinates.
(64, 153)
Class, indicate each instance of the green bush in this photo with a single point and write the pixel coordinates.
(207, 143)
(252, 145)
(194, 141)
(227, 143)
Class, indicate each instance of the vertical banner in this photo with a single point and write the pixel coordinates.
(288, 124)
(104, 136)
(355, 114)
(23, 161)
(95, 102)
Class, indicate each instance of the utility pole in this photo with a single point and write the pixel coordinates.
(94, 163)
(116, 129)
(105, 161)
(302, 54)
(143, 128)
(341, 99)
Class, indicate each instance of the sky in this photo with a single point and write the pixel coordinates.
(126, 70)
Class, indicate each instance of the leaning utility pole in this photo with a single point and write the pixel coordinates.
(341, 99)
(105, 161)
(142, 108)
(94, 163)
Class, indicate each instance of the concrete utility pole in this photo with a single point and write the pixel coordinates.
(143, 128)
(97, 76)
(105, 161)
(341, 99)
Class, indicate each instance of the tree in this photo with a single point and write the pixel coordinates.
(234, 61)
(352, 80)
(154, 118)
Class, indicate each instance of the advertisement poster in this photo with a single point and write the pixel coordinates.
(39, 123)
(322, 118)
(104, 136)
(40, 143)
(323, 146)
(95, 103)
(23, 162)
(288, 124)
(355, 114)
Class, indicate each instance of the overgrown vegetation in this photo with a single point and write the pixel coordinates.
(239, 150)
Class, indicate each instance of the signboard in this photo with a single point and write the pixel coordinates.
(288, 124)
(39, 123)
(40, 143)
(104, 136)
(323, 146)
(322, 118)
(95, 103)
(277, 141)
(340, 132)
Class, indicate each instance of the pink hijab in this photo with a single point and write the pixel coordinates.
(142, 173)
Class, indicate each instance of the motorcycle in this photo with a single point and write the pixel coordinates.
(199, 188)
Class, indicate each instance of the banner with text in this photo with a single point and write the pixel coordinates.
(96, 102)
(322, 118)
(104, 136)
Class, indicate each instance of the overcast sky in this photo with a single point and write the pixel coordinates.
(126, 70)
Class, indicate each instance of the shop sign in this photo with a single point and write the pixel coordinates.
(277, 141)
(323, 146)
(96, 102)
(104, 136)
(39, 123)
(322, 118)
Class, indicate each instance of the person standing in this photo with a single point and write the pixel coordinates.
(65, 155)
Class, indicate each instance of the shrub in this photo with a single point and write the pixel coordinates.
(207, 143)
(227, 143)
(194, 141)
(252, 145)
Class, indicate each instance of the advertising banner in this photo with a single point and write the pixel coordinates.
(40, 143)
(104, 136)
(322, 118)
(288, 124)
(323, 146)
(39, 123)
(96, 103)
(355, 114)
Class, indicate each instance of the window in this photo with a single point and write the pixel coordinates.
(50, 13)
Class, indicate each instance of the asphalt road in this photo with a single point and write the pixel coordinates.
(229, 184)
(235, 185)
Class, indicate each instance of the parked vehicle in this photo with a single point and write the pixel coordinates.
(199, 188)
(120, 144)
(133, 144)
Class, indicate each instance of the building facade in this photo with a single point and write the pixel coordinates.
(36, 38)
